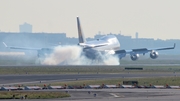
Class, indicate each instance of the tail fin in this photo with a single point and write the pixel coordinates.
(80, 33)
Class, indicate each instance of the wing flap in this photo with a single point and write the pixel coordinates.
(141, 49)
(120, 51)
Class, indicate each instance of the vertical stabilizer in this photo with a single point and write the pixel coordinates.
(80, 33)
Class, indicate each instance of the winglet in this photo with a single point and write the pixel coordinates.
(5, 44)
(174, 45)
(80, 33)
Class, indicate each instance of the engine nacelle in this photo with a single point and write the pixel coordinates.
(134, 57)
(154, 54)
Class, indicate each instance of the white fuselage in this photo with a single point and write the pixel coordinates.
(106, 44)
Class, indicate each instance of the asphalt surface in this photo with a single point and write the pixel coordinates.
(101, 94)
(13, 79)
(116, 95)
(125, 95)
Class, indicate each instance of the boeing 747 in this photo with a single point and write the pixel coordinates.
(107, 44)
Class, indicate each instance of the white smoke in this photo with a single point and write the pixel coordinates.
(72, 55)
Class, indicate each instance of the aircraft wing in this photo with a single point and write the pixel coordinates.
(122, 53)
(164, 48)
(92, 46)
(22, 48)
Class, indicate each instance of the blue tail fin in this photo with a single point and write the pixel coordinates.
(80, 33)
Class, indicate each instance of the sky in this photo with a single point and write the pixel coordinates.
(159, 19)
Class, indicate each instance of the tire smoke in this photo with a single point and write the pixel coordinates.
(72, 55)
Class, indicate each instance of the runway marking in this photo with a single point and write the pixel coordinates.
(114, 95)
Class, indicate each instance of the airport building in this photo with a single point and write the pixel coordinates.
(25, 28)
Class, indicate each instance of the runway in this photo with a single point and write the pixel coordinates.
(28, 78)
(125, 95)
(116, 95)
(102, 94)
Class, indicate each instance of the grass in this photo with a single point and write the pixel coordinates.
(32, 94)
(175, 81)
(81, 69)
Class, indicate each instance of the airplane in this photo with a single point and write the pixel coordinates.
(108, 44)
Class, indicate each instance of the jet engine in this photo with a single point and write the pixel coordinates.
(154, 54)
(134, 57)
